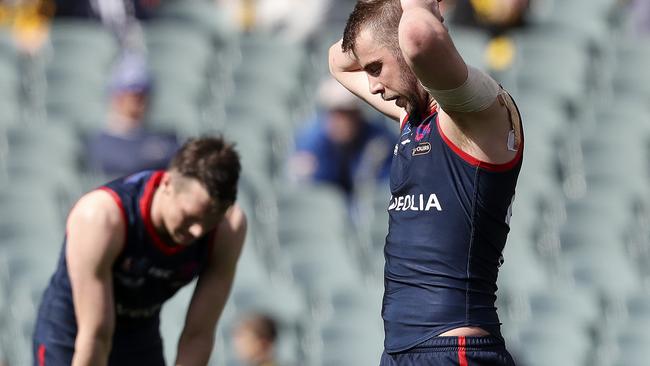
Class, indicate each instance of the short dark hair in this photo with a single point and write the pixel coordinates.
(214, 163)
(263, 325)
(382, 16)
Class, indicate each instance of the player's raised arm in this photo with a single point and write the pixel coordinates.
(95, 237)
(476, 114)
(427, 46)
(346, 70)
(212, 290)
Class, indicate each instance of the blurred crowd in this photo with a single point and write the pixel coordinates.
(333, 141)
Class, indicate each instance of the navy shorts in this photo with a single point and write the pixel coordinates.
(58, 355)
(452, 351)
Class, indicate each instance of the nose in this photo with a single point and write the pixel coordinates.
(375, 86)
(196, 230)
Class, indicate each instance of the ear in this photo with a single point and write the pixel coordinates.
(166, 181)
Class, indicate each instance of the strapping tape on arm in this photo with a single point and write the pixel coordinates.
(476, 94)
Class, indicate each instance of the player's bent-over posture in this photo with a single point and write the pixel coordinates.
(453, 180)
(129, 246)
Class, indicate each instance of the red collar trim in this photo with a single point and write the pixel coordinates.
(145, 211)
(479, 163)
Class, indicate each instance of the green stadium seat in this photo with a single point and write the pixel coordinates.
(541, 70)
(575, 305)
(521, 272)
(311, 213)
(170, 114)
(358, 344)
(89, 40)
(205, 16)
(471, 44)
(554, 342)
(252, 144)
(251, 269)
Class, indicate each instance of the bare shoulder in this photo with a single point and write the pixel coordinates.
(95, 232)
(98, 207)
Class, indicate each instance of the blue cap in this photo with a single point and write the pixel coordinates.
(131, 74)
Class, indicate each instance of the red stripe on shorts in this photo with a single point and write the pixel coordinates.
(41, 355)
(462, 358)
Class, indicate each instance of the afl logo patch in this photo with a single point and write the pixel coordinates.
(422, 148)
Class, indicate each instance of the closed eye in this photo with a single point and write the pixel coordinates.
(373, 68)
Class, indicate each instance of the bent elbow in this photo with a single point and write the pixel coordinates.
(331, 59)
(419, 38)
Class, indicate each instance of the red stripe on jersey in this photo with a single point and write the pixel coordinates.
(479, 163)
(462, 358)
(41, 355)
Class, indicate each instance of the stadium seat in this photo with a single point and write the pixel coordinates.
(352, 326)
(314, 273)
(554, 342)
(251, 141)
(607, 271)
(539, 68)
(205, 16)
(577, 306)
(251, 269)
(170, 114)
(88, 40)
(172, 320)
(521, 272)
(471, 43)
(630, 75)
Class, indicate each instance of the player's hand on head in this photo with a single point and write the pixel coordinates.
(432, 5)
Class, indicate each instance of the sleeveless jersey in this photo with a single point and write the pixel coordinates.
(449, 216)
(147, 272)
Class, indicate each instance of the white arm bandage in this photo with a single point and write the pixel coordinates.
(476, 94)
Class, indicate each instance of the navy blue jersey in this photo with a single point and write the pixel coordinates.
(449, 217)
(147, 272)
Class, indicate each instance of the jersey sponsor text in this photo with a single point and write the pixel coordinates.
(415, 203)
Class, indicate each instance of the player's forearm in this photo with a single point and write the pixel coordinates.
(340, 62)
(194, 350)
(91, 350)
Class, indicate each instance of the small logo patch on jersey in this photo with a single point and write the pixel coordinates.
(422, 148)
(406, 130)
(422, 131)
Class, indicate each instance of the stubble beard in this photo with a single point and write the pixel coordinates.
(417, 99)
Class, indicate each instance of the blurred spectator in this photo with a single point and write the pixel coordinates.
(121, 17)
(254, 340)
(494, 16)
(29, 22)
(100, 9)
(341, 146)
(126, 145)
(640, 14)
(295, 20)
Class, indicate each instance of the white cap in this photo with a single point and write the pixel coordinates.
(332, 95)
